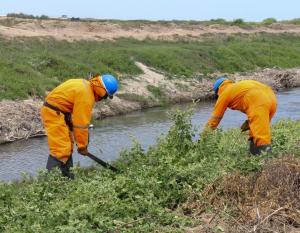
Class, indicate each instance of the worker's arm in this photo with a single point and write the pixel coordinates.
(219, 110)
(82, 114)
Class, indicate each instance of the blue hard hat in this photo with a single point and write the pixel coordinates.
(218, 83)
(110, 83)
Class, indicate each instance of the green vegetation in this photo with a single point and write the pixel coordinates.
(238, 22)
(33, 66)
(134, 97)
(269, 21)
(158, 94)
(158, 97)
(148, 193)
(26, 16)
(293, 21)
(30, 67)
(156, 91)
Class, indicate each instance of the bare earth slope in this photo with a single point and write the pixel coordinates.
(70, 30)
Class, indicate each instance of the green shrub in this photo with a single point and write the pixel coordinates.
(238, 22)
(268, 21)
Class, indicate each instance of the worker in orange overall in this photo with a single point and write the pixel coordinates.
(253, 98)
(66, 115)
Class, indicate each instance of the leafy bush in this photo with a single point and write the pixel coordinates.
(269, 21)
(238, 22)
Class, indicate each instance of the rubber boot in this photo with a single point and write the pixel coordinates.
(64, 167)
(257, 150)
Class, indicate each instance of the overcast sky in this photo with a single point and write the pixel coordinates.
(249, 10)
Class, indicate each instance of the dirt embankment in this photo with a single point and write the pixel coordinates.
(21, 119)
(178, 91)
(71, 30)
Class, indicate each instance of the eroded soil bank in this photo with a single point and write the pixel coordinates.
(21, 119)
(98, 31)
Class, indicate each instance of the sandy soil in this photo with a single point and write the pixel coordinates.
(21, 120)
(71, 31)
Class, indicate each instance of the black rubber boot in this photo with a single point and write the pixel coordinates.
(64, 167)
(257, 150)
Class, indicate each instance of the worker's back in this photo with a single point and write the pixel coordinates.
(66, 94)
(243, 94)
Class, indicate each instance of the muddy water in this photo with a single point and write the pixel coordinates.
(112, 135)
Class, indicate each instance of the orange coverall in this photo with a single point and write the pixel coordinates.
(75, 96)
(253, 98)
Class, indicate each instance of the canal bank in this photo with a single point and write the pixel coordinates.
(21, 120)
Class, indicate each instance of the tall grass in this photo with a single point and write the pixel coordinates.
(32, 66)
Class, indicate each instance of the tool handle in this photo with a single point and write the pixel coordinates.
(101, 162)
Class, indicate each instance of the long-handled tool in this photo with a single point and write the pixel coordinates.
(103, 163)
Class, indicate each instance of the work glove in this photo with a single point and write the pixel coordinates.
(245, 126)
(83, 151)
(207, 130)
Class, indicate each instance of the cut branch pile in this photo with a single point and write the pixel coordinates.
(20, 120)
(278, 79)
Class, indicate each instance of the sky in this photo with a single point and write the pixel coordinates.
(249, 10)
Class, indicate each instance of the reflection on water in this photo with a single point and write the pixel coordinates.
(112, 135)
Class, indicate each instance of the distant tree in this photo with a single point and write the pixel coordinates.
(269, 21)
(219, 20)
(238, 22)
(75, 19)
(44, 17)
(26, 16)
(20, 15)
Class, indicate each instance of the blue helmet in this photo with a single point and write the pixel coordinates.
(110, 84)
(218, 83)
